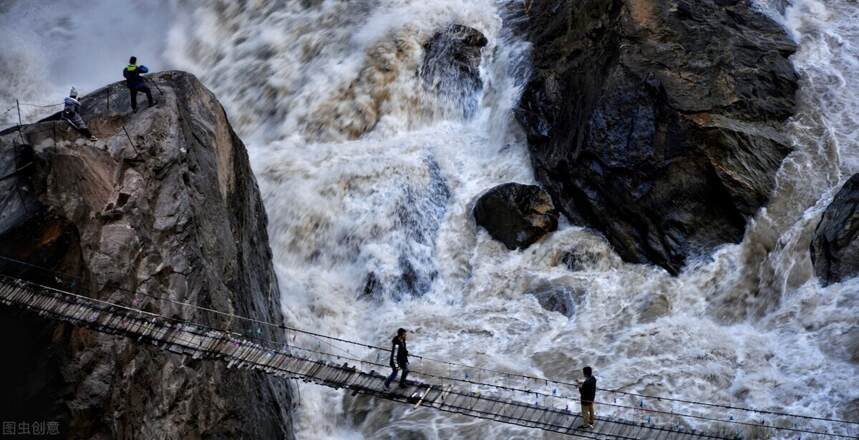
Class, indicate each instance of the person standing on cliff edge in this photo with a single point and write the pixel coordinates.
(588, 391)
(399, 358)
(135, 83)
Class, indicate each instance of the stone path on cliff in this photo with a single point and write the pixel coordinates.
(199, 341)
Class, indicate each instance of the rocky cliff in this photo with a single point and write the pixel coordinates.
(165, 203)
(655, 121)
(835, 247)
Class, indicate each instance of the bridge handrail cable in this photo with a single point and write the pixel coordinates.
(188, 323)
(466, 366)
(277, 348)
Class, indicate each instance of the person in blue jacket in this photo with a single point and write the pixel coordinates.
(135, 82)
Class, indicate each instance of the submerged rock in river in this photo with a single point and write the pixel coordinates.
(451, 65)
(516, 215)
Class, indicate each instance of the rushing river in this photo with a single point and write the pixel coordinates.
(369, 179)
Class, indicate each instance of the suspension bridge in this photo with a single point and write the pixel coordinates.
(535, 407)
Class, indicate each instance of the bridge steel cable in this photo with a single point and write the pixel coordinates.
(508, 388)
(281, 326)
(444, 378)
(187, 323)
(520, 421)
(510, 419)
(567, 398)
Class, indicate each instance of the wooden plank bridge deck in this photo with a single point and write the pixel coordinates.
(201, 342)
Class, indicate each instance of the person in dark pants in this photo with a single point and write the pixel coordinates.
(588, 391)
(72, 114)
(399, 358)
(135, 83)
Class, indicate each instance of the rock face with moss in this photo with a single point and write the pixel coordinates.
(656, 121)
(164, 204)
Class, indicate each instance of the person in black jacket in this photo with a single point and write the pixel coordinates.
(588, 391)
(135, 83)
(399, 358)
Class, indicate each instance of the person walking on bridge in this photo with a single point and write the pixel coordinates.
(588, 391)
(72, 114)
(135, 83)
(399, 358)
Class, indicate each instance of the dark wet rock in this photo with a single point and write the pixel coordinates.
(656, 121)
(176, 214)
(452, 62)
(579, 260)
(835, 246)
(373, 288)
(408, 281)
(561, 302)
(516, 215)
(561, 299)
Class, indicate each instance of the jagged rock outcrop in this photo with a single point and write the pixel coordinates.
(515, 214)
(169, 209)
(655, 121)
(451, 65)
(835, 247)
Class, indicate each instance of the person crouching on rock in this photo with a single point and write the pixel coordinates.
(135, 83)
(72, 114)
(399, 358)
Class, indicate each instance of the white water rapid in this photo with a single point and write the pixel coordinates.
(368, 176)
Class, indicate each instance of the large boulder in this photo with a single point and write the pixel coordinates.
(165, 204)
(516, 215)
(656, 121)
(835, 246)
(451, 65)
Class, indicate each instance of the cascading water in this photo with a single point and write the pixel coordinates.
(369, 176)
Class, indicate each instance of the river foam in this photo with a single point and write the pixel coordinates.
(365, 176)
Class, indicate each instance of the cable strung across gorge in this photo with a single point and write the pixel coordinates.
(278, 346)
(469, 367)
(564, 398)
(188, 326)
